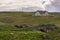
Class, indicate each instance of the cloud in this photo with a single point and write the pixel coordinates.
(29, 5)
(54, 6)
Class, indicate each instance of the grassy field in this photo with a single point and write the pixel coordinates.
(10, 19)
(22, 35)
(29, 35)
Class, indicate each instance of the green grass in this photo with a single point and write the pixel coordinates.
(9, 19)
(21, 35)
(29, 35)
(55, 35)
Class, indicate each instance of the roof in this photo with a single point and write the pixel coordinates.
(41, 11)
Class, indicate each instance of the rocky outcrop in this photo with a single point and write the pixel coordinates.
(43, 27)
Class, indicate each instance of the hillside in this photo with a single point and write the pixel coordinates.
(10, 23)
(27, 18)
(10, 19)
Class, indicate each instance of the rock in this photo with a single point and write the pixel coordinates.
(21, 26)
(17, 26)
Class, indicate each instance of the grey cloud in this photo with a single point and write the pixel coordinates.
(29, 5)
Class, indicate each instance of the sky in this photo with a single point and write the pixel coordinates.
(30, 5)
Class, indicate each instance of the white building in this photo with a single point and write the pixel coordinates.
(41, 13)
